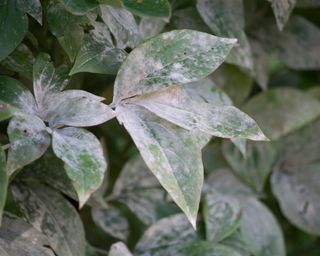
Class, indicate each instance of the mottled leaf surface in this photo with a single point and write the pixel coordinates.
(13, 27)
(33, 8)
(19, 238)
(170, 152)
(79, 7)
(175, 57)
(205, 248)
(119, 249)
(16, 96)
(175, 106)
(150, 26)
(49, 212)
(260, 229)
(140, 190)
(29, 140)
(295, 180)
(98, 54)
(226, 18)
(83, 157)
(255, 166)
(3, 181)
(122, 25)
(113, 221)
(221, 215)
(280, 111)
(282, 10)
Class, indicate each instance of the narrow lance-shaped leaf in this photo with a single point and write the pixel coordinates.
(175, 57)
(171, 153)
(19, 238)
(84, 160)
(13, 27)
(29, 140)
(50, 213)
(282, 10)
(3, 181)
(175, 106)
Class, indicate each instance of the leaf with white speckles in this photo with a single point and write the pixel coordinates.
(13, 27)
(140, 191)
(255, 167)
(296, 181)
(260, 229)
(98, 54)
(112, 221)
(282, 10)
(80, 111)
(171, 153)
(16, 97)
(167, 237)
(174, 105)
(50, 213)
(221, 215)
(84, 160)
(19, 238)
(79, 7)
(29, 140)
(226, 18)
(47, 80)
(4, 181)
(33, 8)
(21, 61)
(282, 110)
(122, 25)
(207, 248)
(119, 249)
(150, 26)
(176, 57)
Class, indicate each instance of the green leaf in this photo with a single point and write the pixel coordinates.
(150, 27)
(226, 18)
(282, 10)
(221, 215)
(171, 153)
(140, 191)
(119, 249)
(29, 140)
(260, 229)
(47, 81)
(21, 61)
(5, 111)
(98, 54)
(287, 110)
(295, 180)
(33, 8)
(67, 28)
(50, 213)
(13, 27)
(255, 166)
(112, 221)
(19, 238)
(4, 181)
(79, 111)
(159, 8)
(79, 7)
(16, 96)
(205, 248)
(122, 25)
(175, 57)
(83, 157)
(167, 237)
(175, 106)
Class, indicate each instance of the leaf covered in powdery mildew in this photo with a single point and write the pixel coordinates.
(174, 105)
(29, 140)
(226, 18)
(176, 57)
(3, 181)
(172, 153)
(119, 249)
(282, 10)
(33, 8)
(50, 213)
(84, 160)
(19, 238)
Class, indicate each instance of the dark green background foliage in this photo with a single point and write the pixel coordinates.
(202, 138)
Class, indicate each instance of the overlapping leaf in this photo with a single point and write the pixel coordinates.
(4, 181)
(282, 10)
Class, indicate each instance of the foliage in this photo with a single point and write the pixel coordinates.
(203, 139)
